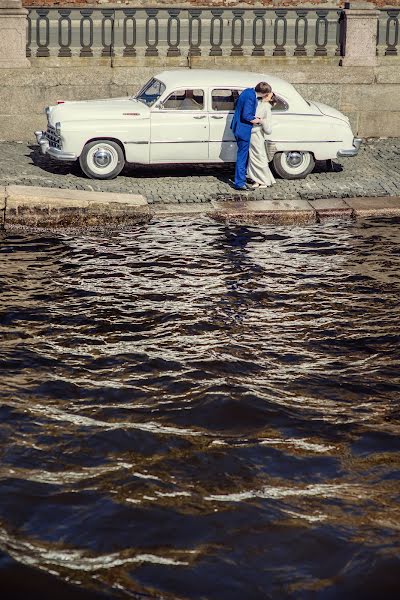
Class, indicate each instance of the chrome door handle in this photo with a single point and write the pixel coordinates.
(215, 117)
(201, 117)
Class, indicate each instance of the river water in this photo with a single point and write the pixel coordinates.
(191, 410)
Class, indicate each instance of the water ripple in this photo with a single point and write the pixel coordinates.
(192, 410)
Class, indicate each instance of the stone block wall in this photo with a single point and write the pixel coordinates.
(368, 95)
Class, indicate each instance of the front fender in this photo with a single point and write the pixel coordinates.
(75, 135)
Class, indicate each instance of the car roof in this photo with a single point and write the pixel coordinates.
(210, 78)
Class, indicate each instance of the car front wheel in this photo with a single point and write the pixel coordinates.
(102, 159)
(294, 164)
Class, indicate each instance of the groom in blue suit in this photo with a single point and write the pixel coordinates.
(242, 123)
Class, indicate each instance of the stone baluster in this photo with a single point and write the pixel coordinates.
(280, 27)
(217, 24)
(173, 40)
(301, 40)
(107, 26)
(321, 33)
(392, 32)
(29, 33)
(237, 46)
(64, 44)
(86, 26)
(42, 45)
(151, 28)
(259, 42)
(194, 37)
(129, 32)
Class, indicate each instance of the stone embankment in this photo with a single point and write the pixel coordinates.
(52, 208)
(38, 192)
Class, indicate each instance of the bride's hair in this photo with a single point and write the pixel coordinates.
(263, 88)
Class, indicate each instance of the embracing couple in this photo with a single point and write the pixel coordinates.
(252, 119)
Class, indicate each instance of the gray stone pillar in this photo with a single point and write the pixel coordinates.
(361, 22)
(13, 35)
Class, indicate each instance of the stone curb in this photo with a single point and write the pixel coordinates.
(54, 208)
(38, 207)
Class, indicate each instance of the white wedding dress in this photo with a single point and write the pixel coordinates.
(258, 169)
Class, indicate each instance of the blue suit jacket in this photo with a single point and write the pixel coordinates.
(245, 111)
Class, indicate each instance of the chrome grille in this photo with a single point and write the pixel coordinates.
(54, 139)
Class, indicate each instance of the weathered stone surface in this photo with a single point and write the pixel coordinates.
(388, 73)
(189, 210)
(57, 208)
(14, 101)
(354, 118)
(328, 208)
(361, 27)
(370, 97)
(21, 127)
(134, 76)
(66, 62)
(2, 205)
(13, 35)
(367, 207)
(327, 93)
(76, 92)
(326, 74)
(379, 124)
(265, 211)
(86, 76)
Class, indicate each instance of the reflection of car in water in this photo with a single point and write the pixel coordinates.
(184, 117)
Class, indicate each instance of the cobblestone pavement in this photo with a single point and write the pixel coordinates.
(374, 172)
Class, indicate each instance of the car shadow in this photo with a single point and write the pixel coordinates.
(321, 166)
(49, 165)
(180, 170)
(223, 172)
(327, 166)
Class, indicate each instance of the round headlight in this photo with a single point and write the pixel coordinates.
(58, 128)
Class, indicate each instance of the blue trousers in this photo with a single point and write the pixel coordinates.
(241, 162)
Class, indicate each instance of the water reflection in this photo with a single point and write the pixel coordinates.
(190, 410)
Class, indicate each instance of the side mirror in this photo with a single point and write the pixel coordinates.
(160, 105)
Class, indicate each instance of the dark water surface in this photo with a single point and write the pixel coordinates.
(189, 410)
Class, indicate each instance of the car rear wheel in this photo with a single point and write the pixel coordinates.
(102, 159)
(294, 164)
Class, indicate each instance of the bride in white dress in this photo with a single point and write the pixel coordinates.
(258, 169)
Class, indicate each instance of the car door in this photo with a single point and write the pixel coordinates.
(180, 128)
(222, 107)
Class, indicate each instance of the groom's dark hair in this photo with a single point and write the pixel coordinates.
(263, 88)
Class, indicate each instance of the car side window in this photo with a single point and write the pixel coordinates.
(224, 99)
(281, 104)
(190, 99)
(151, 92)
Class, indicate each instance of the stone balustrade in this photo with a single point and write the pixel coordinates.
(354, 36)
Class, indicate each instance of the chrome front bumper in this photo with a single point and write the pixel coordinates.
(352, 151)
(56, 153)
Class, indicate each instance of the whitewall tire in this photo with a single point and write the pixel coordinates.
(294, 164)
(102, 159)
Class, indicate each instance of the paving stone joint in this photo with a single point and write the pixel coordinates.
(374, 172)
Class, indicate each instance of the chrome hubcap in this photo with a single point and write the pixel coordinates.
(102, 158)
(294, 159)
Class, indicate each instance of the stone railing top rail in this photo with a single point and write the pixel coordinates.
(211, 5)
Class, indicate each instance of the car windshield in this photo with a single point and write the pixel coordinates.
(150, 93)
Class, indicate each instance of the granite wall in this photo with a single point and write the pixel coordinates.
(368, 95)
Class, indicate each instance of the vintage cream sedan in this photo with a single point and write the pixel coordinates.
(184, 116)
